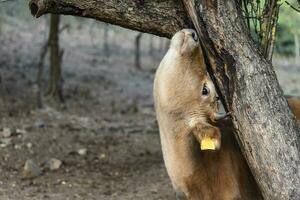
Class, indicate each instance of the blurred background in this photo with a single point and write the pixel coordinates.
(86, 128)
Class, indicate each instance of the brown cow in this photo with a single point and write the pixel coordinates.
(186, 107)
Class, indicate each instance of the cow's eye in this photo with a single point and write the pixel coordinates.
(195, 37)
(205, 90)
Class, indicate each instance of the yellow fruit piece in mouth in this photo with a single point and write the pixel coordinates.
(207, 144)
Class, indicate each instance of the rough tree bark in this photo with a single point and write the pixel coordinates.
(268, 27)
(266, 128)
(157, 17)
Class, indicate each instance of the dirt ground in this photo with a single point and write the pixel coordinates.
(108, 112)
(105, 135)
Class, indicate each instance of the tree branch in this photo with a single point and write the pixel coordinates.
(162, 18)
(293, 7)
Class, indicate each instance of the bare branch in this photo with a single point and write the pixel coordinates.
(293, 7)
(161, 18)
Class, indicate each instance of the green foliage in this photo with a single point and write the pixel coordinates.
(284, 41)
(288, 26)
(261, 18)
(270, 21)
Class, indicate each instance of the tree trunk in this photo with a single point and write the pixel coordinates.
(150, 51)
(161, 45)
(2, 90)
(55, 85)
(297, 49)
(167, 45)
(268, 27)
(138, 51)
(1, 21)
(105, 40)
(39, 79)
(266, 128)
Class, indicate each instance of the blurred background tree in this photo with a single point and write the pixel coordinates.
(288, 32)
(272, 20)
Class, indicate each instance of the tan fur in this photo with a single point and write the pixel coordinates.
(184, 116)
(294, 103)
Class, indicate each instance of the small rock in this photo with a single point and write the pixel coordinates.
(39, 123)
(5, 142)
(18, 146)
(10, 132)
(102, 156)
(6, 132)
(29, 145)
(82, 151)
(147, 111)
(154, 190)
(31, 170)
(20, 131)
(54, 164)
